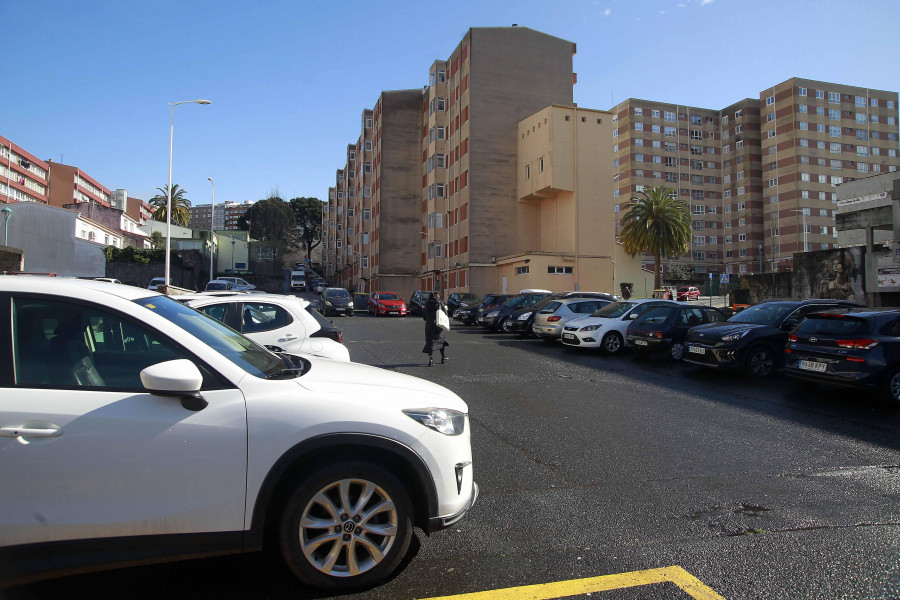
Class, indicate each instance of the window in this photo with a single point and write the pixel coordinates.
(804, 126)
(71, 335)
(654, 114)
(834, 97)
(803, 108)
(670, 116)
(638, 126)
(638, 110)
(801, 91)
(669, 131)
(527, 172)
(835, 114)
(820, 94)
(770, 100)
(522, 270)
(559, 270)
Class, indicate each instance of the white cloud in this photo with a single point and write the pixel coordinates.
(607, 12)
(662, 12)
(681, 5)
(705, 2)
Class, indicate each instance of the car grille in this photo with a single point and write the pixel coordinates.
(571, 328)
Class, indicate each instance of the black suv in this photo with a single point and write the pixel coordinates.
(753, 339)
(470, 314)
(522, 318)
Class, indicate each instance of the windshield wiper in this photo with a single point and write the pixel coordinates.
(286, 373)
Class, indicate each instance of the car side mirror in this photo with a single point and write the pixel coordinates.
(177, 378)
(789, 324)
(632, 316)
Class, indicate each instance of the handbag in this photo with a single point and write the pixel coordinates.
(442, 320)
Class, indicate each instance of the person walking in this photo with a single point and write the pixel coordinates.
(434, 335)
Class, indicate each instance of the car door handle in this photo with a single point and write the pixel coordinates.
(29, 432)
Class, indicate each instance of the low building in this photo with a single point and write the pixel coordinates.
(868, 215)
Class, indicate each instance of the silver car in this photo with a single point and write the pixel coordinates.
(549, 322)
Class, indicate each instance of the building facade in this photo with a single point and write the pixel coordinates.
(70, 185)
(23, 176)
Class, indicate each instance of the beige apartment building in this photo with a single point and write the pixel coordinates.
(761, 174)
(566, 227)
(679, 147)
(814, 137)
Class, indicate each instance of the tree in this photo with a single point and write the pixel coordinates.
(157, 240)
(657, 222)
(181, 206)
(271, 220)
(308, 216)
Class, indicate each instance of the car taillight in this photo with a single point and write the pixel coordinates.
(864, 344)
(333, 334)
(553, 319)
(792, 338)
(657, 335)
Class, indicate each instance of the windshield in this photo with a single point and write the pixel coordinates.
(388, 296)
(243, 352)
(469, 298)
(337, 294)
(515, 301)
(767, 313)
(614, 310)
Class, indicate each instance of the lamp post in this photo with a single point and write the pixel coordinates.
(7, 215)
(169, 187)
(212, 229)
(232, 255)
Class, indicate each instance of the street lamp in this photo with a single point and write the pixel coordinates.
(212, 229)
(169, 188)
(232, 255)
(7, 215)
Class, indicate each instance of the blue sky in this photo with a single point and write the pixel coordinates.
(88, 82)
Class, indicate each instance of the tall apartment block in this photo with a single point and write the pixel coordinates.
(417, 171)
(23, 176)
(370, 224)
(760, 175)
(470, 214)
(679, 147)
(815, 136)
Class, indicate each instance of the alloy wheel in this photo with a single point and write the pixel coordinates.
(761, 363)
(676, 351)
(612, 343)
(348, 527)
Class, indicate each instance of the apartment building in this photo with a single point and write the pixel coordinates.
(760, 174)
(202, 214)
(370, 225)
(679, 147)
(23, 176)
(495, 77)
(69, 184)
(816, 136)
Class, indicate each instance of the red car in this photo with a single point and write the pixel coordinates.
(688, 293)
(386, 303)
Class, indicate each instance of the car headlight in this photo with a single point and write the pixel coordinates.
(493, 313)
(590, 328)
(442, 420)
(327, 303)
(733, 337)
(524, 316)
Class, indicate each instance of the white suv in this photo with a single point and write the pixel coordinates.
(135, 429)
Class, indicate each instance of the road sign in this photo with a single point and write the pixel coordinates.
(723, 278)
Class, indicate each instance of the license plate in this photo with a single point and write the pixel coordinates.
(569, 336)
(697, 349)
(640, 342)
(811, 365)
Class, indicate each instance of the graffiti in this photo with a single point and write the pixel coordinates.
(834, 279)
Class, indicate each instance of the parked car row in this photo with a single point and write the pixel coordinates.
(814, 340)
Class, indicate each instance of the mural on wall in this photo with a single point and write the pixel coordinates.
(837, 274)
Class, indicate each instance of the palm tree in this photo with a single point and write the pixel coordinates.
(659, 222)
(181, 206)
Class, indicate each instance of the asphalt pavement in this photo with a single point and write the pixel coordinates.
(598, 472)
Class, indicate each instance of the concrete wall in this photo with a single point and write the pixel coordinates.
(46, 235)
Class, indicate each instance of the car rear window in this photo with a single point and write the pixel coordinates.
(551, 308)
(836, 325)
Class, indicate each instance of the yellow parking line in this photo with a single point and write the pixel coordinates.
(561, 589)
